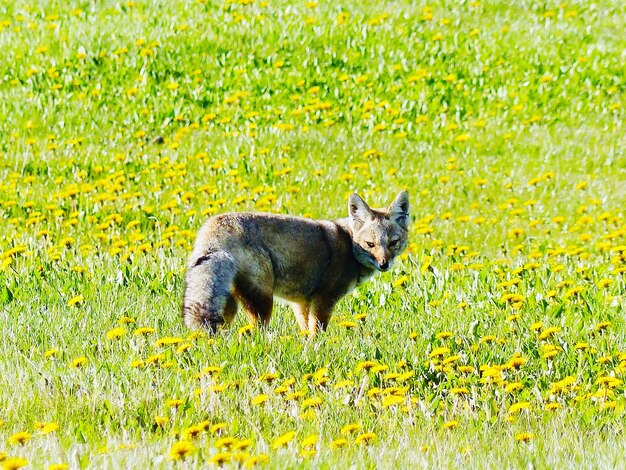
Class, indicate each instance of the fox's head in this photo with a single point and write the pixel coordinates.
(379, 235)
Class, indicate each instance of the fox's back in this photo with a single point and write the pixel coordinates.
(298, 251)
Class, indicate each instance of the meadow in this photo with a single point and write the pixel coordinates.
(499, 338)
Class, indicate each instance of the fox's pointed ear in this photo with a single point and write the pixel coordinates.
(359, 212)
(399, 210)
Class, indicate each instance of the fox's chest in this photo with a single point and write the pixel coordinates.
(360, 279)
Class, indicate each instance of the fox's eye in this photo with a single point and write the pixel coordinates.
(370, 244)
(393, 242)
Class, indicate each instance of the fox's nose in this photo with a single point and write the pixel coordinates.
(384, 266)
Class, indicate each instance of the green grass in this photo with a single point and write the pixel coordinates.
(123, 127)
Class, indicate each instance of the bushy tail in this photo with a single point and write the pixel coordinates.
(208, 302)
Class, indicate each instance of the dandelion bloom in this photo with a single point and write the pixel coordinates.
(75, 300)
(217, 428)
(173, 402)
(243, 444)
(246, 329)
(47, 428)
(523, 437)
(260, 459)
(13, 463)
(450, 424)
(180, 450)
(310, 441)
(79, 362)
(339, 443)
(168, 341)
(116, 333)
(161, 421)
(517, 407)
(283, 440)
(20, 437)
(259, 399)
(365, 438)
(192, 432)
(225, 442)
(144, 330)
(58, 466)
(221, 458)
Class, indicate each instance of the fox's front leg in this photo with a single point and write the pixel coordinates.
(320, 312)
(302, 315)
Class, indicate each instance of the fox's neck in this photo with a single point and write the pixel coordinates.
(364, 272)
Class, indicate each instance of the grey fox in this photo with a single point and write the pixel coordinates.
(251, 257)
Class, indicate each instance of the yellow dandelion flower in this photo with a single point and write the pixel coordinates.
(365, 438)
(13, 463)
(517, 407)
(20, 438)
(260, 459)
(311, 402)
(392, 400)
(75, 300)
(246, 329)
(192, 432)
(524, 437)
(58, 466)
(161, 421)
(144, 330)
(211, 370)
(553, 406)
(440, 351)
(444, 335)
(181, 450)
(608, 382)
(309, 441)
(450, 424)
(47, 428)
(513, 387)
(167, 341)
(173, 402)
(51, 352)
(268, 377)
(217, 428)
(221, 458)
(283, 440)
(225, 442)
(259, 399)
(365, 365)
(243, 444)
(602, 325)
(548, 332)
(79, 362)
(116, 333)
(339, 443)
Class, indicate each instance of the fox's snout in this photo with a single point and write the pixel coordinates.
(383, 258)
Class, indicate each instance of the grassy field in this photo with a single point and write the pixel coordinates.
(499, 338)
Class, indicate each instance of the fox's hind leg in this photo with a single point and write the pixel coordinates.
(256, 302)
(208, 302)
